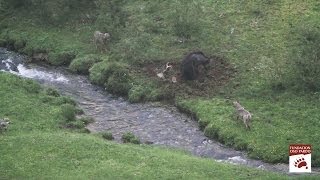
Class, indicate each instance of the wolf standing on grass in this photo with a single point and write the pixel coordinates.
(4, 123)
(100, 40)
(243, 114)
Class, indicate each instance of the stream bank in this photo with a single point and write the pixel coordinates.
(163, 125)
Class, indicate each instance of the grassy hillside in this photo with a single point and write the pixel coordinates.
(35, 146)
(266, 55)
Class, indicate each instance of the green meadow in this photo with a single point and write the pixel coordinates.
(268, 53)
(37, 145)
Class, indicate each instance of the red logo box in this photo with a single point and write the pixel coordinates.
(296, 149)
(300, 158)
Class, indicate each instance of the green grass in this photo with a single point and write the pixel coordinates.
(256, 38)
(34, 146)
(64, 155)
(276, 124)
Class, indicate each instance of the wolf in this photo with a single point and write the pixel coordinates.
(4, 124)
(100, 39)
(243, 114)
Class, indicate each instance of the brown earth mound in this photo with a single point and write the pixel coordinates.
(210, 79)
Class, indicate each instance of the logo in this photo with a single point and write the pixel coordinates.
(300, 158)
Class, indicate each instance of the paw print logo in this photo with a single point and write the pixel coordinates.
(299, 163)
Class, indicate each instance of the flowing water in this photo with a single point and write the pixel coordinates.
(153, 123)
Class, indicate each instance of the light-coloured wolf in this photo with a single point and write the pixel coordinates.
(243, 114)
(4, 124)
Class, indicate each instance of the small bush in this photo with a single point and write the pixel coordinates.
(130, 138)
(68, 112)
(107, 136)
(83, 64)
(64, 100)
(61, 58)
(136, 94)
(9, 43)
(30, 50)
(211, 131)
(158, 94)
(203, 123)
(99, 73)
(139, 93)
(52, 92)
(19, 44)
(119, 82)
(240, 144)
(114, 76)
(86, 120)
(47, 99)
(75, 125)
(3, 43)
(79, 111)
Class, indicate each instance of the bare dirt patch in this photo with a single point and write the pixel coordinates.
(210, 80)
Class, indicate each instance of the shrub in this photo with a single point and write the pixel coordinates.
(107, 136)
(86, 120)
(61, 58)
(130, 138)
(3, 43)
(99, 73)
(30, 50)
(75, 125)
(119, 82)
(52, 92)
(79, 111)
(139, 93)
(203, 123)
(10, 44)
(114, 76)
(47, 99)
(19, 44)
(64, 100)
(136, 94)
(68, 112)
(83, 64)
(59, 100)
(211, 131)
(158, 94)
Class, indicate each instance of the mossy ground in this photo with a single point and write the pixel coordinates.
(255, 40)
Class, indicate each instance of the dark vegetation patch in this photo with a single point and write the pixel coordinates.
(129, 137)
(52, 92)
(107, 136)
(71, 119)
(63, 58)
(82, 64)
(114, 76)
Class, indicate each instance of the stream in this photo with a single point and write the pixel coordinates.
(154, 123)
